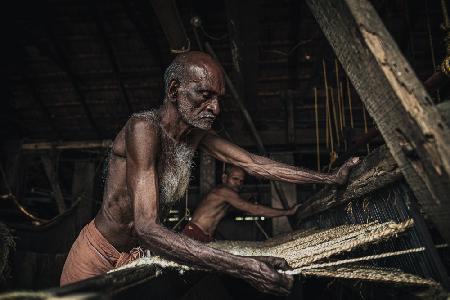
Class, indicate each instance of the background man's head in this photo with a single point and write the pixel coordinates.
(233, 177)
(194, 83)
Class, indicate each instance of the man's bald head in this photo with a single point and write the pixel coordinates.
(233, 177)
(182, 66)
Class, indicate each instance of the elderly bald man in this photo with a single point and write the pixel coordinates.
(149, 170)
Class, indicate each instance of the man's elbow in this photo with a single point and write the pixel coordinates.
(148, 231)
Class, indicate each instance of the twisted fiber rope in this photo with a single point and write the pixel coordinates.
(371, 274)
(353, 260)
(345, 243)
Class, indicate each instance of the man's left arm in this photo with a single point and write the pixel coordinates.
(264, 167)
(232, 198)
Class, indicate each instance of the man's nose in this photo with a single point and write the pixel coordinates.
(214, 107)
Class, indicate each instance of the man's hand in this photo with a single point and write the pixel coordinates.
(291, 211)
(341, 176)
(266, 278)
(277, 263)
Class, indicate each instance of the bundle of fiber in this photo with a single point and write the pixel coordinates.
(308, 253)
(371, 273)
(300, 249)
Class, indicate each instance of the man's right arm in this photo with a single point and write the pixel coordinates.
(232, 198)
(142, 185)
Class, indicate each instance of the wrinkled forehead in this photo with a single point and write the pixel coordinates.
(209, 76)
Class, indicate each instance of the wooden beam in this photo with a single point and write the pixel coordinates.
(167, 14)
(376, 171)
(98, 18)
(51, 171)
(411, 125)
(67, 145)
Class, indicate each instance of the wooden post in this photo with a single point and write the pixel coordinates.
(207, 173)
(82, 191)
(282, 224)
(52, 174)
(411, 125)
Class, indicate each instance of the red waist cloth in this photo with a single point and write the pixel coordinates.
(194, 232)
(91, 255)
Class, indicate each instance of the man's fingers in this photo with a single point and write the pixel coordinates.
(280, 263)
(283, 265)
(355, 160)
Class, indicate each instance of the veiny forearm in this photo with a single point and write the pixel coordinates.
(267, 168)
(185, 250)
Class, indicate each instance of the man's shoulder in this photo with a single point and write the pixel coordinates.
(224, 191)
(146, 121)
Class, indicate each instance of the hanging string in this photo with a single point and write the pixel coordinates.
(343, 125)
(365, 127)
(327, 108)
(338, 94)
(329, 129)
(317, 128)
(350, 107)
(342, 104)
(336, 124)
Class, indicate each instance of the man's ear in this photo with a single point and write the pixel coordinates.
(172, 90)
(224, 178)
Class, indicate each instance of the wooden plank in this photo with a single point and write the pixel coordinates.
(376, 171)
(67, 145)
(50, 170)
(207, 173)
(411, 125)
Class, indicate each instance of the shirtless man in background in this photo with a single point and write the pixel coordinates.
(216, 204)
(149, 170)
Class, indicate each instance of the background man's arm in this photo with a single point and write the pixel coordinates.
(234, 200)
(264, 167)
(142, 186)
